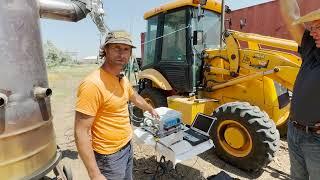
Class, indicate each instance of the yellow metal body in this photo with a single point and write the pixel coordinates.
(211, 5)
(256, 70)
(190, 107)
(156, 77)
(236, 139)
(234, 73)
(256, 92)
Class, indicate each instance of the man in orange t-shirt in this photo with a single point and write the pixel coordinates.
(102, 127)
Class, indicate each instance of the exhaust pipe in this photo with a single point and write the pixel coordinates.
(73, 11)
(3, 100)
(40, 92)
(68, 11)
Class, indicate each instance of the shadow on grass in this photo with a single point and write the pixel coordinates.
(71, 154)
(210, 157)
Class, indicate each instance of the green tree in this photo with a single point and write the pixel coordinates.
(54, 56)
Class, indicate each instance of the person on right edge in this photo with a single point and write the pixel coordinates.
(304, 124)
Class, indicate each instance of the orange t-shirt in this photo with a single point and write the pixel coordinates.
(105, 97)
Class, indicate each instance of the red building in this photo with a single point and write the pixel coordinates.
(265, 19)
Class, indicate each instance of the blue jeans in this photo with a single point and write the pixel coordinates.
(304, 152)
(117, 166)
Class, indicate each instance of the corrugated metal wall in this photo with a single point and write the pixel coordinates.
(265, 18)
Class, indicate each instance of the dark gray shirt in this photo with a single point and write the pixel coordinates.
(305, 104)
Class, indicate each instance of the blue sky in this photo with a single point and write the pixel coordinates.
(83, 37)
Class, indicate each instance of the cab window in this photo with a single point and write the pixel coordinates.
(174, 37)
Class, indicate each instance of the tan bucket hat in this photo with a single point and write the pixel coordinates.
(312, 16)
(118, 37)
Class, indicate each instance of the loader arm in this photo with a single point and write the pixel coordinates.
(256, 61)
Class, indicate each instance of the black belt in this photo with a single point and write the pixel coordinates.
(307, 129)
(125, 146)
(121, 149)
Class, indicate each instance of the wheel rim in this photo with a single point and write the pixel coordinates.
(234, 138)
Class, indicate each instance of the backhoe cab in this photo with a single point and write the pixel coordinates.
(169, 44)
(186, 67)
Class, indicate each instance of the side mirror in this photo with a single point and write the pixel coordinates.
(197, 37)
(201, 2)
(227, 9)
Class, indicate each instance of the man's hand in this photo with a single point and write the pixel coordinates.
(154, 113)
(99, 177)
(318, 125)
(82, 133)
(290, 12)
(315, 32)
(142, 104)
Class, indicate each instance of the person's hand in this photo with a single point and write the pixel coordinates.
(318, 125)
(154, 113)
(99, 177)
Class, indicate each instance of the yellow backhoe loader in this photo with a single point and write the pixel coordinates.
(191, 64)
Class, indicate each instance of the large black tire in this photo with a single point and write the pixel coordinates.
(262, 130)
(155, 97)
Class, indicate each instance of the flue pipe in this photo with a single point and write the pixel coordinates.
(59, 10)
(40, 92)
(3, 100)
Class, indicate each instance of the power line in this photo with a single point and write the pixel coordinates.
(165, 35)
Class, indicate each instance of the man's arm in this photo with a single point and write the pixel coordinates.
(82, 134)
(142, 104)
(290, 12)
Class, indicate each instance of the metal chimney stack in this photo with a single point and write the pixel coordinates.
(28, 149)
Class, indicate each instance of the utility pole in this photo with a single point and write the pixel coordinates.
(222, 22)
(100, 43)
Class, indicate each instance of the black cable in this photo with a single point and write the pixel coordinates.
(161, 164)
(132, 116)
